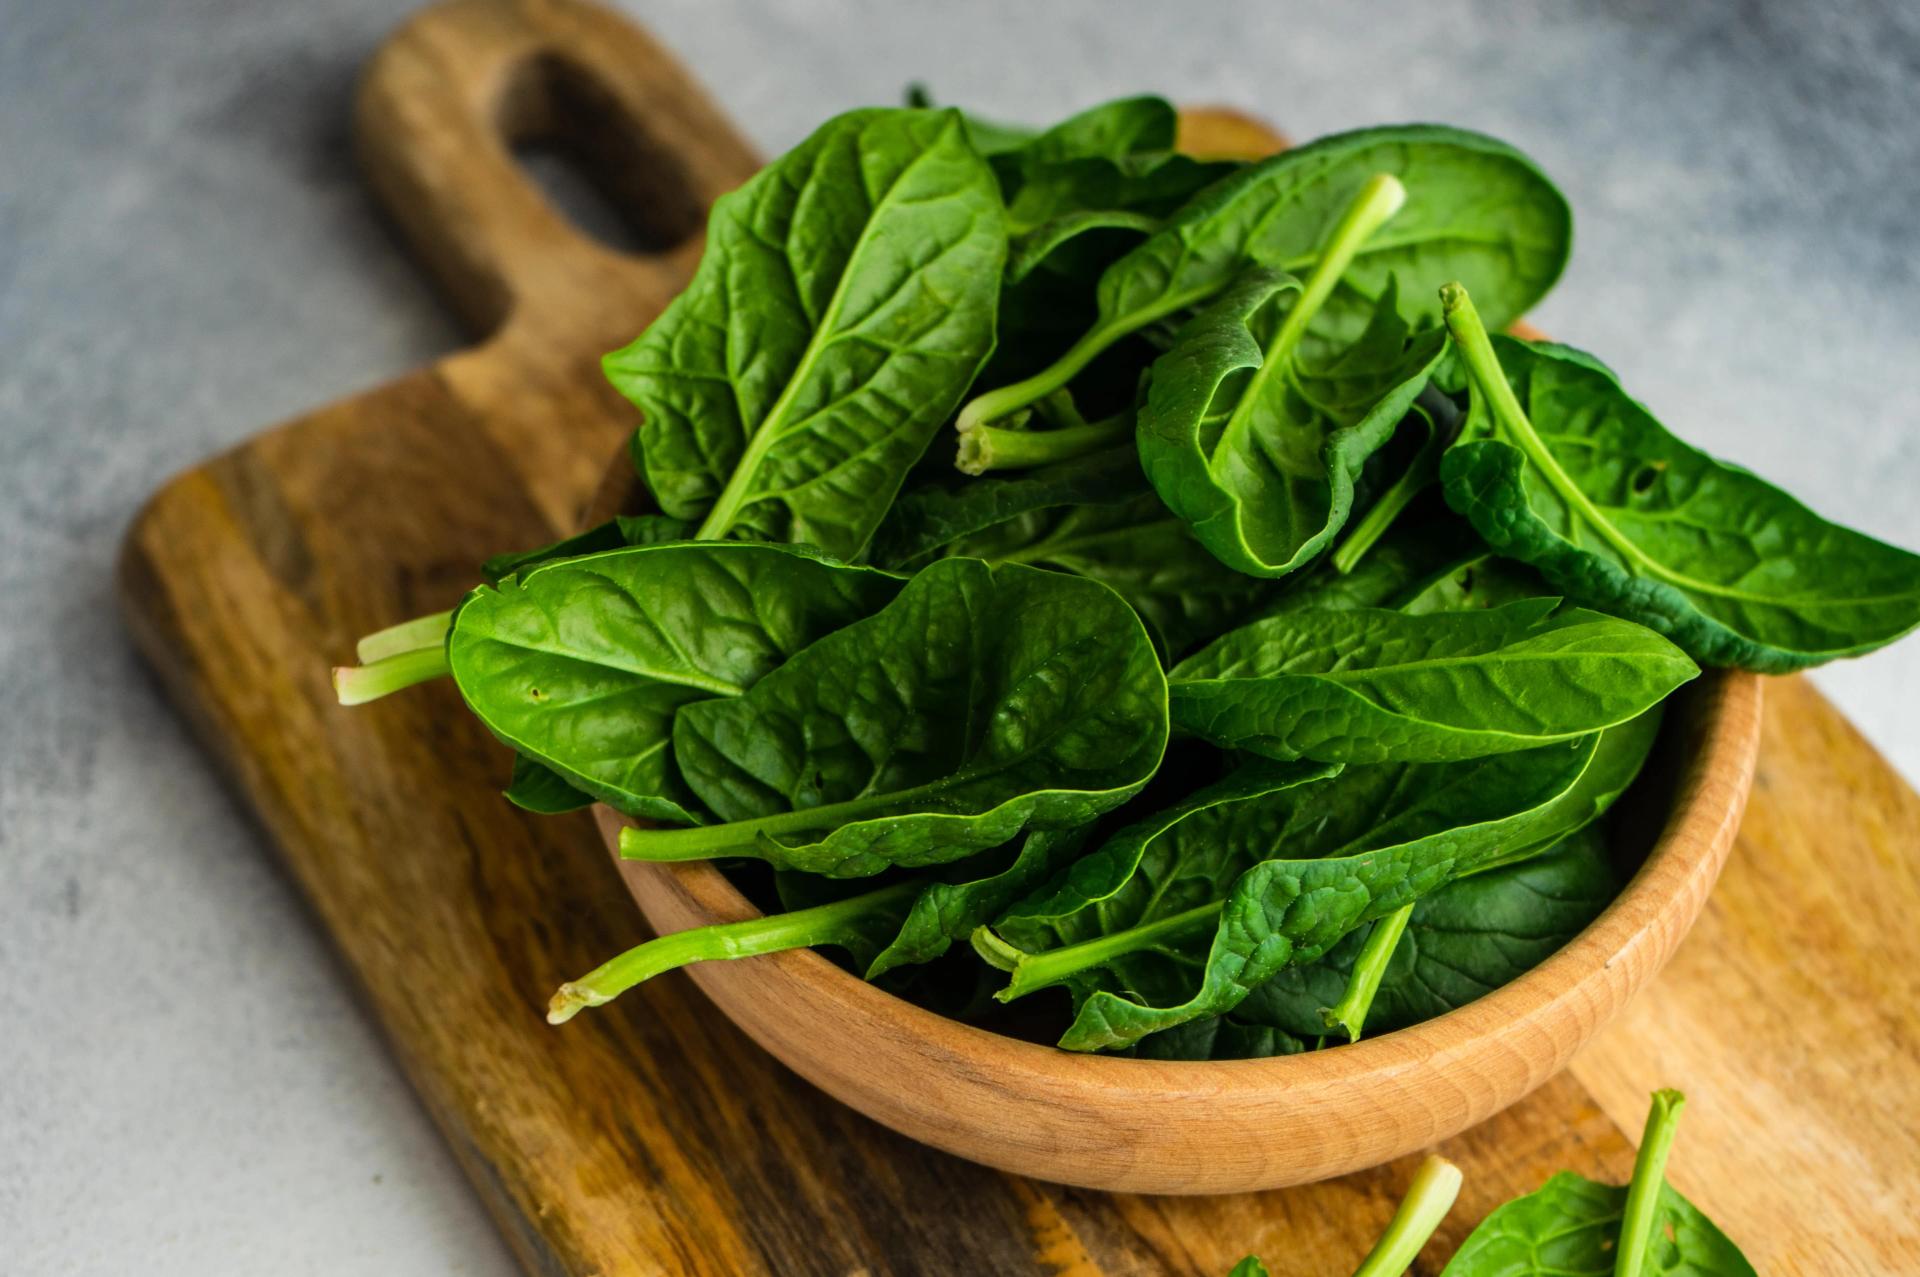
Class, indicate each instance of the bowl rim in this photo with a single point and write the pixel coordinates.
(1600, 967)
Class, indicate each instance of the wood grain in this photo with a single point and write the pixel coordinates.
(654, 1138)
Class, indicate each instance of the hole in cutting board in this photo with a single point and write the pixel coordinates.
(600, 168)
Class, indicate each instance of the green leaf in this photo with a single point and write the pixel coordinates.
(980, 700)
(1560, 467)
(625, 529)
(1569, 1229)
(580, 664)
(1258, 444)
(1477, 210)
(951, 909)
(1249, 1267)
(844, 302)
(1095, 517)
(1430, 561)
(1467, 939)
(933, 519)
(1369, 685)
(1220, 898)
(538, 788)
(605, 536)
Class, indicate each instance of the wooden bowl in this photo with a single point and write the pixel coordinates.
(1228, 1126)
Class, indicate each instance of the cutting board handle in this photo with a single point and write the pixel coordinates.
(449, 95)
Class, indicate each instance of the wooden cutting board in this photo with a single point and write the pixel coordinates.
(652, 1137)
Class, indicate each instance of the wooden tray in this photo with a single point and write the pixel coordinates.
(654, 1138)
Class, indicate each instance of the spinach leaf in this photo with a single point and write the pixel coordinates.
(952, 907)
(1094, 517)
(931, 519)
(1430, 561)
(1258, 445)
(1573, 1227)
(1477, 209)
(538, 788)
(980, 700)
(1560, 467)
(845, 301)
(911, 921)
(605, 536)
(1368, 685)
(625, 529)
(581, 664)
(1182, 917)
(1114, 159)
(1461, 943)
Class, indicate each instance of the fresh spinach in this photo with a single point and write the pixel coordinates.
(1574, 1227)
(581, 664)
(845, 300)
(1367, 685)
(1430, 561)
(537, 788)
(1477, 209)
(979, 700)
(1461, 943)
(1256, 431)
(1182, 917)
(903, 923)
(1095, 517)
(1559, 467)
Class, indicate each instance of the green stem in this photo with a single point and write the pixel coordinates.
(408, 636)
(1050, 966)
(994, 951)
(1009, 399)
(1642, 1211)
(1427, 1202)
(822, 924)
(358, 684)
(1364, 982)
(985, 448)
(1476, 348)
(1378, 200)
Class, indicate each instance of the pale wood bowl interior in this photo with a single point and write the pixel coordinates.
(1232, 1125)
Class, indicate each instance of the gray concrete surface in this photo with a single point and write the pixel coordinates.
(185, 256)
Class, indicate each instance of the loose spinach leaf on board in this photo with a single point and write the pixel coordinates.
(1094, 516)
(1560, 467)
(1569, 1227)
(1193, 915)
(980, 700)
(1573, 1227)
(1368, 685)
(537, 788)
(908, 922)
(581, 664)
(1465, 940)
(1257, 441)
(845, 301)
(1476, 210)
